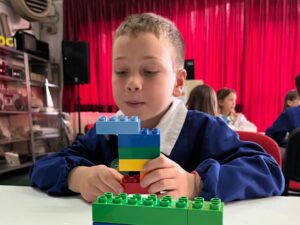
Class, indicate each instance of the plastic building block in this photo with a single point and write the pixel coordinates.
(96, 223)
(132, 185)
(136, 149)
(138, 153)
(145, 139)
(203, 213)
(118, 125)
(132, 164)
(136, 210)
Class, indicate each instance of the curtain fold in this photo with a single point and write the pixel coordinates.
(249, 45)
(271, 57)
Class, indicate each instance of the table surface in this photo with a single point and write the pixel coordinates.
(28, 206)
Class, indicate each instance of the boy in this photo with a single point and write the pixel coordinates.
(201, 155)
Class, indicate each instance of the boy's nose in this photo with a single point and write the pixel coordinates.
(134, 84)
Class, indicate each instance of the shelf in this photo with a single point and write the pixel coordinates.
(53, 85)
(10, 51)
(33, 81)
(8, 78)
(33, 58)
(46, 113)
(13, 140)
(20, 54)
(43, 84)
(14, 112)
(4, 168)
(47, 137)
(37, 84)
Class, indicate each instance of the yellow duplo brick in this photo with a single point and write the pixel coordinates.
(132, 164)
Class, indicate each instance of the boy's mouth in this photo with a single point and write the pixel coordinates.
(134, 104)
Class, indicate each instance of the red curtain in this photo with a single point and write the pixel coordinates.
(271, 57)
(248, 45)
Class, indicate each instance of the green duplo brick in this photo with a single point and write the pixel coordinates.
(139, 211)
(201, 212)
(138, 153)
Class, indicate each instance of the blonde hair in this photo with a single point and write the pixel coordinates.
(160, 27)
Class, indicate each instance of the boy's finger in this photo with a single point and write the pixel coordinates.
(100, 186)
(106, 187)
(116, 174)
(157, 175)
(162, 185)
(111, 185)
(114, 184)
(158, 163)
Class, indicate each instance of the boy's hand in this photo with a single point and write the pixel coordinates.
(163, 174)
(93, 181)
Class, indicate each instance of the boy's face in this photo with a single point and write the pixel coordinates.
(143, 79)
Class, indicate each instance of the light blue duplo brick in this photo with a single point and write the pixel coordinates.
(118, 125)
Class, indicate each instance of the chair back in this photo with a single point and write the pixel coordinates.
(292, 167)
(267, 143)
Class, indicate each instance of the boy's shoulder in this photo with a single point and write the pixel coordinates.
(197, 117)
(205, 124)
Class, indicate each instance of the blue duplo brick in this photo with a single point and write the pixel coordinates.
(145, 139)
(118, 125)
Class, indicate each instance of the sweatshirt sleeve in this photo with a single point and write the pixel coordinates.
(280, 127)
(235, 170)
(50, 173)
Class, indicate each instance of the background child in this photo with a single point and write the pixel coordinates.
(286, 122)
(204, 99)
(291, 99)
(201, 155)
(227, 102)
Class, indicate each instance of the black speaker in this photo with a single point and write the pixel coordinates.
(189, 66)
(76, 62)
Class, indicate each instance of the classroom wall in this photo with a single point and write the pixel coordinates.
(15, 22)
(51, 31)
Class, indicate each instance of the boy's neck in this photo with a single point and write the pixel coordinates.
(153, 122)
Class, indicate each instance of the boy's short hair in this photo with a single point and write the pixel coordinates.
(160, 27)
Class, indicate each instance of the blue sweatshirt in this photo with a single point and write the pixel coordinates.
(286, 122)
(230, 169)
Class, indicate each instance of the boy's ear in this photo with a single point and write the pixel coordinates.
(180, 81)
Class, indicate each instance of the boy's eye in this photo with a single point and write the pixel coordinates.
(121, 73)
(150, 72)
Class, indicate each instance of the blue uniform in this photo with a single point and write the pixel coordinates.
(230, 169)
(286, 122)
